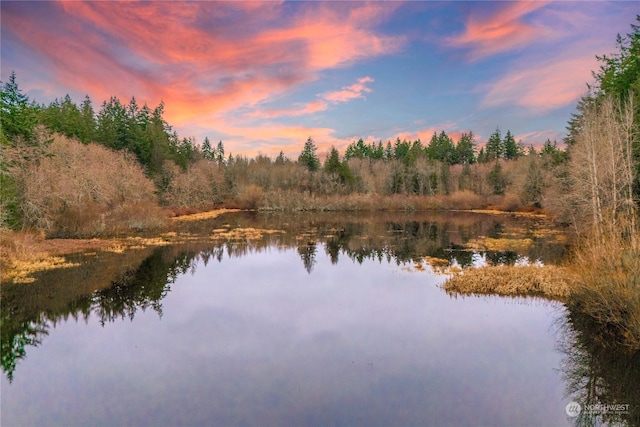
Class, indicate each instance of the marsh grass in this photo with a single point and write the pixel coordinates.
(197, 216)
(542, 281)
(499, 244)
(607, 271)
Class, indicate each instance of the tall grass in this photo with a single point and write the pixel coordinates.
(508, 280)
(607, 289)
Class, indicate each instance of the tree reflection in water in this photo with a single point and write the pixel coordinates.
(598, 372)
(114, 286)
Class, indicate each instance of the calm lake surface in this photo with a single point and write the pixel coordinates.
(278, 320)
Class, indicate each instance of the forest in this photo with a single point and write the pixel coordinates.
(71, 172)
(69, 151)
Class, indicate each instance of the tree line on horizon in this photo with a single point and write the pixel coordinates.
(144, 131)
(186, 174)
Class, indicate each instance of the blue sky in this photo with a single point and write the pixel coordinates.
(264, 76)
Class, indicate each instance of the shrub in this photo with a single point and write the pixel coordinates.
(200, 186)
(77, 190)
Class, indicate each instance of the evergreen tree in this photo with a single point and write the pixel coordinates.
(112, 124)
(551, 154)
(207, 151)
(401, 149)
(512, 150)
(334, 167)
(482, 156)
(332, 163)
(19, 116)
(281, 159)
(441, 148)
(376, 151)
(465, 150)
(416, 151)
(497, 179)
(220, 153)
(619, 77)
(495, 147)
(308, 156)
(388, 151)
(87, 127)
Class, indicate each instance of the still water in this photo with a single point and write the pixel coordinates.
(318, 321)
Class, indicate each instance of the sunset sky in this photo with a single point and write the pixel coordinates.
(263, 77)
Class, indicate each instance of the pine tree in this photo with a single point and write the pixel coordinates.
(465, 150)
(18, 115)
(207, 151)
(281, 159)
(512, 150)
(497, 180)
(482, 156)
(87, 129)
(220, 154)
(308, 156)
(495, 147)
(332, 163)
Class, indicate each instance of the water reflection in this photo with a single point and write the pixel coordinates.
(600, 375)
(241, 342)
(113, 286)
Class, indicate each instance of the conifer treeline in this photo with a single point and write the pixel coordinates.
(187, 174)
(144, 131)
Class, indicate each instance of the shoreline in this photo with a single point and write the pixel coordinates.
(23, 253)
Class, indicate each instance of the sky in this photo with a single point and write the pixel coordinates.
(262, 77)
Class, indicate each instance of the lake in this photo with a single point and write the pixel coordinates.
(307, 319)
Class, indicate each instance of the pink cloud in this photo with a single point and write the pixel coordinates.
(297, 110)
(347, 93)
(504, 31)
(425, 135)
(538, 138)
(557, 82)
(196, 57)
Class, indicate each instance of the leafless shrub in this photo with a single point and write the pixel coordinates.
(201, 186)
(76, 190)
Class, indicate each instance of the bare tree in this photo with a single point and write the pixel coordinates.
(601, 169)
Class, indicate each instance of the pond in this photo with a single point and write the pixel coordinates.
(302, 320)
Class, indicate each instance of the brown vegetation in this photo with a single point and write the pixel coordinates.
(545, 281)
(77, 190)
(607, 289)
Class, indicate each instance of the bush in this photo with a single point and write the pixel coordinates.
(201, 186)
(251, 197)
(77, 190)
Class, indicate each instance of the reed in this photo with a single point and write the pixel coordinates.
(607, 271)
(542, 281)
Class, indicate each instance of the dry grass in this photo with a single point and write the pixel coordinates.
(22, 254)
(241, 233)
(22, 271)
(607, 271)
(25, 253)
(490, 244)
(547, 281)
(492, 210)
(204, 215)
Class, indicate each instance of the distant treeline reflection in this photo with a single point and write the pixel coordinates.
(113, 286)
